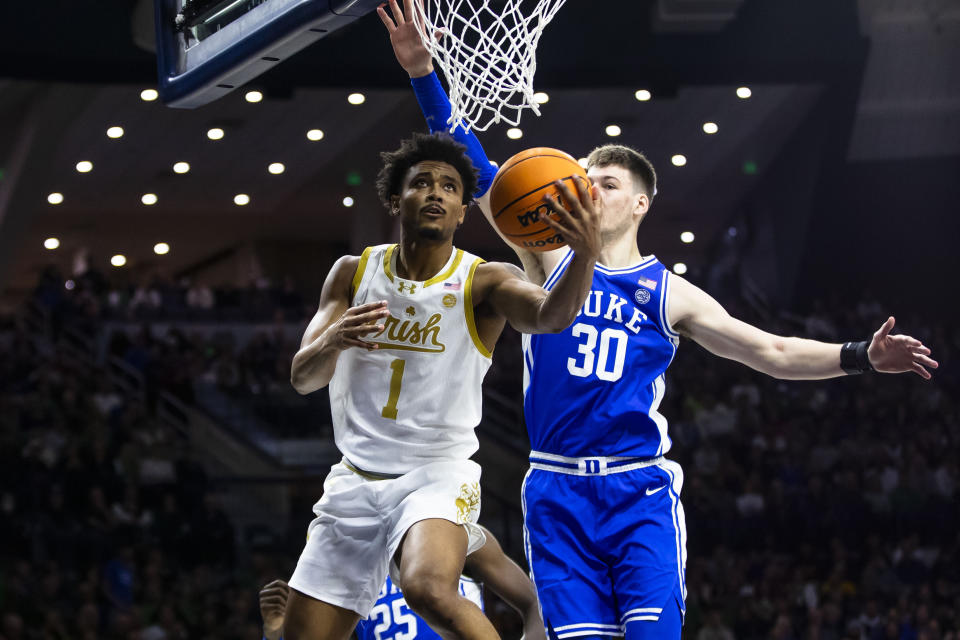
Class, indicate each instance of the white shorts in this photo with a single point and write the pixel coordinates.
(361, 521)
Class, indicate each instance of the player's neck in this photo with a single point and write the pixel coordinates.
(620, 252)
(420, 260)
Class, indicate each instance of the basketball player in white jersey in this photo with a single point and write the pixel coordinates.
(403, 337)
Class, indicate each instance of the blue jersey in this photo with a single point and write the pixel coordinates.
(595, 388)
(392, 619)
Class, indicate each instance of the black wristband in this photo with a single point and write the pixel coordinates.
(854, 358)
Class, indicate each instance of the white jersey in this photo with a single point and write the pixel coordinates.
(417, 398)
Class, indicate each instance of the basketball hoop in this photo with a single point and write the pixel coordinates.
(488, 55)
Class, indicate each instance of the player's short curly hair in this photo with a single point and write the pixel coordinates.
(630, 159)
(439, 147)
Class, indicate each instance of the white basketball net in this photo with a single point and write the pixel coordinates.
(488, 54)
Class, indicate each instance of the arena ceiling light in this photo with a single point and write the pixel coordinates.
(181, 167)
(348, 201)
(642, 95)
(613, 130)
(710, 127)
(356, 98)
(84, 166)
(541, 97)
(115, 132)
(51, 243)
(679, 268)
(215, 133)
(744, 92)
(276, 168)
(149, 199)
(241, 199)
(161, 248)
(314, 135)
(687, 237)
(149, 95)
(118, 260)
(253, 96)
(514, 133)
(679, 160)
(55, 198)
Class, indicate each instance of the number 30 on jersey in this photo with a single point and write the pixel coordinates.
(607, 362)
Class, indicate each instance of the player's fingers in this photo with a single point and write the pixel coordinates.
(397, 13)
(385, 19)
(362, 330)
(272, 601)
(275, 583)
(557, 226)
(583, 190)
(409, 10)
(568, 195)
(884, 330)
(354, 342)
(922, 359)
(366, 308)
(365, 318)
(920, 371)
(561, 214)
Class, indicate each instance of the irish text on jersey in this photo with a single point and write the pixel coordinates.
(410, 335)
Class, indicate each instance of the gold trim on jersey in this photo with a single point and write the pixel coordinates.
(449, 272)
(369, 475)
(468, 311)
(358, 275)
(387, 260)
(440, 277)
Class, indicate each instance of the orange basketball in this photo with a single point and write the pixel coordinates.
(516, 195)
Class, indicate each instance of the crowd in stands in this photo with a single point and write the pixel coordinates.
(815, 510)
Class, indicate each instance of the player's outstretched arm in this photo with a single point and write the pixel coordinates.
(697, 315)
(335, 327)
(273, 608)
(526, 306)
(435, 105)
(491, 566)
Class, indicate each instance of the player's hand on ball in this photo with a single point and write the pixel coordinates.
(407, 46)
(898, 354)
(357, 322)
(578, 222)
(273, 605)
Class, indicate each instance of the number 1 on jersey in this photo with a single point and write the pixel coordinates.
(390, 410)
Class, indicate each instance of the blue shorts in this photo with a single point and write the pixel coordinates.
(607, 549)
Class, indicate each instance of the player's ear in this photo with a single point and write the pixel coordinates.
(463, 213)
(395, 205)
(641, 203)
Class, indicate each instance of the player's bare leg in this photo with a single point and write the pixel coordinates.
(431, 559)
(311, 619)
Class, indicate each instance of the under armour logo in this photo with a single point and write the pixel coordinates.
(402, 287)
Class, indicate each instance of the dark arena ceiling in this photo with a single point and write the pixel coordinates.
(843, 93)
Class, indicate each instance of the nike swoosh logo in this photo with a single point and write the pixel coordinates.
(651, 492)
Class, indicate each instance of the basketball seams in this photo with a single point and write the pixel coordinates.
(514, 177)
(529, 193)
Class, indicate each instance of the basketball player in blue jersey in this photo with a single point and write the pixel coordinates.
(605, 533)
(391, 618)
(403, 337)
